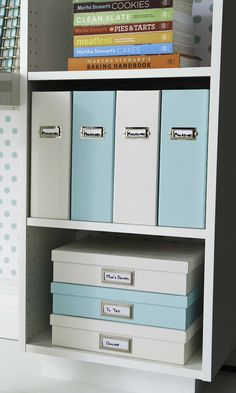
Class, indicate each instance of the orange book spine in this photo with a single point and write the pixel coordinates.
(124, 62)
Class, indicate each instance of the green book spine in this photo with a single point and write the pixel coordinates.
(118, 17)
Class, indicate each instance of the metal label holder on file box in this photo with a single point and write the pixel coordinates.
(92, 132)
(118, 277)
(114, 343)
(50, 131)
(137, 132)
(183, 134)
(118, 310)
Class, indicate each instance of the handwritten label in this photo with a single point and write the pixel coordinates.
(118, 277)
(116, 343)
(117, 310)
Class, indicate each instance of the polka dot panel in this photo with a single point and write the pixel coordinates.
(202, 19)
(9, 194)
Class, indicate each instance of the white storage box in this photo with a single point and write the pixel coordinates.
(135, 264)
(165, 345)
(51, 155)
(136, 157)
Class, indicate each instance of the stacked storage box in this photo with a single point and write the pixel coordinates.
(138, 297)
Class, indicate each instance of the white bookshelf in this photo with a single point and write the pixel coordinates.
(44, 67)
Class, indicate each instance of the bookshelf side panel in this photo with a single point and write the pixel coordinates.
(224, 312)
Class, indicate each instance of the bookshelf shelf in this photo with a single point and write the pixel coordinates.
(121, 74)
(119, 228)
(42, 345)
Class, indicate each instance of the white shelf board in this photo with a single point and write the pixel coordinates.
(119, 228)
(121, 74)
(42, 345)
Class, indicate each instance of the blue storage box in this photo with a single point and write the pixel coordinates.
(183, 158)
(93, 155)
(120, 305)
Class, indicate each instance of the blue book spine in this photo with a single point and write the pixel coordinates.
(93, 155)
(124, 50)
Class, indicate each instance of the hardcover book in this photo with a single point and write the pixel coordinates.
(123, 50)
(120, 5)
(184, 6)
(123, 39)
(132, 62)
(125, 28)
(120, 17)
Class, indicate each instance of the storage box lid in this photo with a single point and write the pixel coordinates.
(134, 252)
(124, 295)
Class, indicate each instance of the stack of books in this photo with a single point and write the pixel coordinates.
(9, 35)
(132, 34)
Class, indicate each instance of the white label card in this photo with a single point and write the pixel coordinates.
(117, 310)
(116, 343)
(118, 277)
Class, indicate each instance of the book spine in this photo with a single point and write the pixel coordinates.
(124, 62)
(121, 5)
(120, 17)
(123, 50)
(126, 28)
(123, 39)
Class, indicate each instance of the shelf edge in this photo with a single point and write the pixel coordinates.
(121, 74)
(187, 371)
(119, 228)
